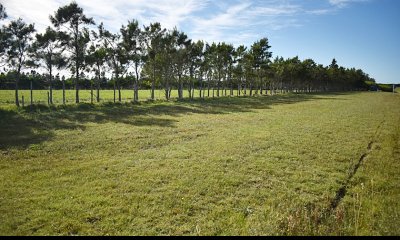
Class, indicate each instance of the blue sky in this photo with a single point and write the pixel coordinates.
(358, 33)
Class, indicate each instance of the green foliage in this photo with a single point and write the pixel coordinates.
(48, 48)
(70, 14)
(70, 17)
(16, 42)
(3, 13)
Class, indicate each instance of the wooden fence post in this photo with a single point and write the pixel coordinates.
(114, 91)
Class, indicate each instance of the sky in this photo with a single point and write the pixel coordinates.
(364, 34)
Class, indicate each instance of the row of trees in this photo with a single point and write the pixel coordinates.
(41, 81)
(155, 57)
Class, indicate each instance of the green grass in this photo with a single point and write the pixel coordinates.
(269, 165)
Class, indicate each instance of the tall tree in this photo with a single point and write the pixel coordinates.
(97, 57)
(154, 34)
(248, 65)
(230, 52)
(210, 67)
(333, 72)
(307, 75)
(71, 18)
(182, 44)
(134, 43)
(117, 57)
(195, 61)
(47, 50)
(217, 59)
(238, 69)
(16, 46)
(260, 52)
(278, 74)
(166, 60)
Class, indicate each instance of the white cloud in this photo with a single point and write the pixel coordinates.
(244, 22)
(344, 3)
(224, 20)
(320, 11)
(334, 6)
(113, 13)
(32, 11)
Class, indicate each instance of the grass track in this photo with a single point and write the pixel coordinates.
(230, 166)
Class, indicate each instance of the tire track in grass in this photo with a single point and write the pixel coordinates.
(342, 191)
(320, 216)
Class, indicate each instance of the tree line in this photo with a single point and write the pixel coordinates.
(152, 57)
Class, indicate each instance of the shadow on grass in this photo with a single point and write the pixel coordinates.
(17, 130)
(20, 128)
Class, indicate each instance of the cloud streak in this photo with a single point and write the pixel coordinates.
(344, 3)
(234, 21)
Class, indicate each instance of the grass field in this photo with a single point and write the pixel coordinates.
(310, 164)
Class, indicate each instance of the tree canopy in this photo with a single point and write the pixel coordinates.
(153, 57)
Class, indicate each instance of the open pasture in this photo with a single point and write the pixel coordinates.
(295, 164)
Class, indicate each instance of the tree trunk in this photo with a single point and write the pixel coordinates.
(119, 91)
(76, 31)
(51, 87)
(180, 87)
(31, 88)
(118, 86)
(17, 82)
(77, 85)
(98, 84)
(136, 86)
(208, 87)
(167, 89)
(133, 88)
(218, 88)
(63, 90)
(153, 83)
(114, 90)
(98, 90)
(224, 88)
(91, 92)
(16, 89)
(231, 93)
(190, 90)
(201, 85)
(213, 89)
(136, 92)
